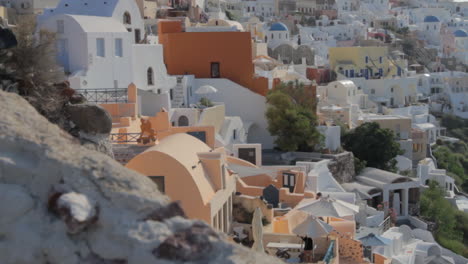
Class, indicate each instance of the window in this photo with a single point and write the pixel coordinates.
(380, 60)
(100, 47)
(118, 47)
(149, 76)
(372, 91)
(183, 121)
(234, 134)
(60, 27)
(137, 36)
(159, 180)
(171, 94)
(215, 70)
(127, 19)
(201, 135)
(289, 181)
(367, 59)
(248, 154)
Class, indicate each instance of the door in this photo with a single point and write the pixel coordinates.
(62, 54)
(137, 36)
(248, 154)
(215, 71)
(289, 181)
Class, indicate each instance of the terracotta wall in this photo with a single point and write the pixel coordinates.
(379, 259)
(118, 110)
(159, 164)
(209, 131)
(293, 199)
(319, 75)
(243, 188)
(163, 128)
(193, 53)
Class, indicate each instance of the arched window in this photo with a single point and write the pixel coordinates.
(150, 76)
(127, 19)
(183, 121)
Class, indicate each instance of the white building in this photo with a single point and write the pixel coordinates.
(427, 171)
(397, 192)
(124, 11)
(430, 30)
(96, 51)
(99, 47)
(391, 92)
(405, 247)
(277, 34)
(461, 45)
(341, 101)
(259, 8)
(24, 7)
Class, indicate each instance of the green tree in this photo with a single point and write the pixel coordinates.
(291, 118)
(374, 145)
(408, 47)
(451, 225)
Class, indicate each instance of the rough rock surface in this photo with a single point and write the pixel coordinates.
(342, 166)
(90, 118)
(63, 204)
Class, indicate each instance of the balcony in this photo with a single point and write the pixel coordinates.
(104, 96)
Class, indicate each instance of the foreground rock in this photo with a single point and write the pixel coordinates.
(61, 203)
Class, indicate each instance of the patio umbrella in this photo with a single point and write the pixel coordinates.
(206, 89)
(328, 207)
(362, 195)
(372, 240)
(257, 231)
(312, 227)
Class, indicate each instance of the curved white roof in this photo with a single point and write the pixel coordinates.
(98, 24)
(86, 7)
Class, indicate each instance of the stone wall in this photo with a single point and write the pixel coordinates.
(349, 248)
(341, 166)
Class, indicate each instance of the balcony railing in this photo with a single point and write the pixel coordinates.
(330, 253)
(104, 96)
(124, 137)
(385, 225)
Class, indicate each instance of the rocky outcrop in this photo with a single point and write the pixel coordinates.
(90, 118)
(341, 166)
(63, 204)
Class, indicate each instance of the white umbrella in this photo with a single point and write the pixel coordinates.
(372, 240)
(312, 227)
(257, 231)
(206, 89)
(329, 208)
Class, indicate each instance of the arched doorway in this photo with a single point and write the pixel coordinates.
(183, 121)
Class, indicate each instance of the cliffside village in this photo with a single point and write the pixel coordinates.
(185, 84)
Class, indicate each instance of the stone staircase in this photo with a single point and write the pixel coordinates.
(178, 94)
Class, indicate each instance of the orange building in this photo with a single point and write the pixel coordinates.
(210, 55)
